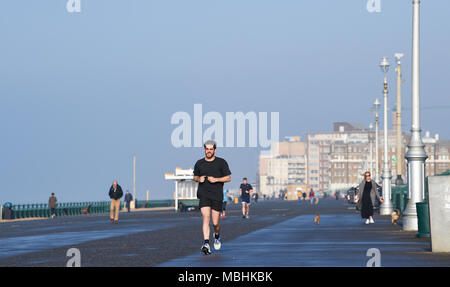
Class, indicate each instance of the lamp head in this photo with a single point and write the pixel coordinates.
(384, 65)
(398, 56)
(376, 104)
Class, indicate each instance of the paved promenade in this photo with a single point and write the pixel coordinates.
(278, 233)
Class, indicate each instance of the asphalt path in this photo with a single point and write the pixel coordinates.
(140, 239)
(278, 233)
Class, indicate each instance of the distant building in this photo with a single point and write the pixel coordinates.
(319, 147)
(438, 152)
(285, 164)
(334, 160)
(348, 161)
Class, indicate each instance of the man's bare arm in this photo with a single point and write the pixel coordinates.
(199, 178)
(219, 179)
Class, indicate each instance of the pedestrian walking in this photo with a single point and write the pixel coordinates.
(246, 189)
(115, 193)
(52, 205)
(367, 194)
(128, 198)
(304, 196)
(211, 172)
(226, 195)
(311, 196)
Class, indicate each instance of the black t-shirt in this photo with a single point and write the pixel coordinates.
(216, 168)
(245, 187)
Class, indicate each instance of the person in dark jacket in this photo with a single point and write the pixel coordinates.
(115, 193)
(367, 194)
(52, 205)
(128, 199)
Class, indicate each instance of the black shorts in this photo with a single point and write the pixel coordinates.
(214, 204)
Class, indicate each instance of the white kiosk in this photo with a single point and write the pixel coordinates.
(185, 186)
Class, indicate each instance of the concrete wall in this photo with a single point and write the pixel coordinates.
(439, 204)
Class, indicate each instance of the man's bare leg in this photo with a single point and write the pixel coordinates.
(206, 214)
(216, 223)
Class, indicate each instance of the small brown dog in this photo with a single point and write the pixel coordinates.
(317, 218)
(395, 217)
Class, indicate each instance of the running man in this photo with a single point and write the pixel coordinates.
(211, 173)
(245, 189)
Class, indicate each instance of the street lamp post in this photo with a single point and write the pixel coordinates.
(398, 69)
(386, 208)
(375, 109)
(415, 155)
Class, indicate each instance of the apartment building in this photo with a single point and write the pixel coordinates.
(438, 152)
(319, 148)
(285, 165)
(334, 160)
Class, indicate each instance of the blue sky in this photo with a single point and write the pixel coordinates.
(81, 93)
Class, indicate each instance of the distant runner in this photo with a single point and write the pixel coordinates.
(245, 190)
(226, 194)
(211, 173)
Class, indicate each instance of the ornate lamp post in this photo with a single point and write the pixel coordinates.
(374, 110)
(386, 208)
(400, 162)
(415, 155)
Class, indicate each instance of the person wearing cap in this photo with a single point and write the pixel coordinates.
(245, 190)
(211, 172)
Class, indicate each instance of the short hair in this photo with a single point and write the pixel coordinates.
(210, 142)
(244, 178)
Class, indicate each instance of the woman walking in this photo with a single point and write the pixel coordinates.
(367, 194)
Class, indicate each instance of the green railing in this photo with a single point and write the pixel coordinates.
(154, 203)
(42, 210)
(399, 195)
(62, 209)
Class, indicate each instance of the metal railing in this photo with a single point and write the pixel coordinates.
(154, 203)
(42, 210)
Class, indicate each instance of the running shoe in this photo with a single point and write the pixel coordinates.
(206, 249)
(367, 221)
(371, 221)
(217, 243)
(247, 216)
(243, 216)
